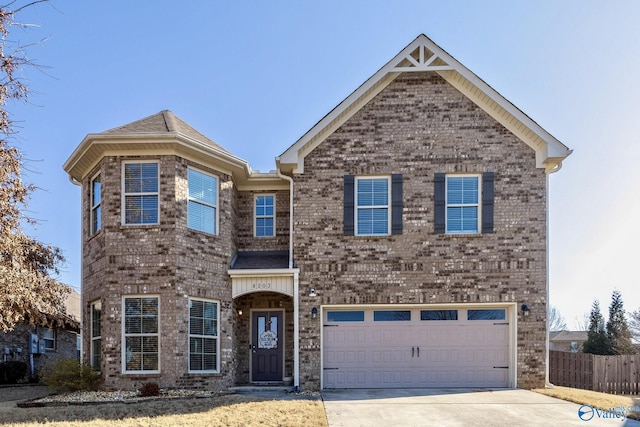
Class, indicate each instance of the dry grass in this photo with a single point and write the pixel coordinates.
(593, 398)
(229, 410)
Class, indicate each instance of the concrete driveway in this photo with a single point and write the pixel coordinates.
(459, 407)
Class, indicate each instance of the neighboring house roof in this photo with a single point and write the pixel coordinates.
(260, 260)
(556, 336)
(424, 55)
(160, 134)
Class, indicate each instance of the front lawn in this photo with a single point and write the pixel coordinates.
(593, 398)
(227, 410)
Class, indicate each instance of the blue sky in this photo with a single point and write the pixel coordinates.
(254, 76)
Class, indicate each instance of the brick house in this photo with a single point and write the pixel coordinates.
(401, 242)
(53, 343)
(571, 341)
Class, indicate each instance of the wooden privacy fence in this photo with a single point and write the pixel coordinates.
(608, 374)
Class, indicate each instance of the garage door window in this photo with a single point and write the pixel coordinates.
(391, 315)
(490, 314)
(345, 316)
(438, 314)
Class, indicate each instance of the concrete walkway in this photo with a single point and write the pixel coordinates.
(459, 407)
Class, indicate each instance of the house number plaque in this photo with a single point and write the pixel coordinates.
(266, 285)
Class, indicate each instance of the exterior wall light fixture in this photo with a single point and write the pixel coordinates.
(314, 313)
(525, 310)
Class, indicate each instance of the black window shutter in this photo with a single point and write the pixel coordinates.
(439, 199)
(349, 191)
(396, 203)
(487, 202)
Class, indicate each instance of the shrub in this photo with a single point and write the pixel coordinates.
(149, 389)
(65, 375)
(12, 371)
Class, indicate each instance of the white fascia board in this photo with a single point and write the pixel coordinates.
(96, 146)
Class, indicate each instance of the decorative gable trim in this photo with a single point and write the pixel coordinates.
(424, 55)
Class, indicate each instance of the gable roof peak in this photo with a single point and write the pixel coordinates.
(422, 54)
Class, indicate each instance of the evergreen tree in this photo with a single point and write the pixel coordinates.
(618, 333)
(597, 341)
(634, 325)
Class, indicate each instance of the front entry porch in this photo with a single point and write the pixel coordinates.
(265, 331)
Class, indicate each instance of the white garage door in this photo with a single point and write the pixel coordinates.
(383, 348)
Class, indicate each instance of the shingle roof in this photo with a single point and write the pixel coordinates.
(260, 260)
(163, 122)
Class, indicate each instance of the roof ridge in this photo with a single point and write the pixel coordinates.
(169, 120)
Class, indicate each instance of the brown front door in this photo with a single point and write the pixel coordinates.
(266, 346)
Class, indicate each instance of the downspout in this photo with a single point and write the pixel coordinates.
(288, 178)
(546, 371)
(296, 290)
(79, 184)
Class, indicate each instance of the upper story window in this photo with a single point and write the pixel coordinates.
(140, 185)
(463, 204)
(96, 204)
(203, 201)
(141, 346)
(265, 215)
(373, 205)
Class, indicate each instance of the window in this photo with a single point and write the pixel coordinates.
(141, 334)
(391, 315)
(265, 215)
(203, 201)
(96, 205)
(372, 205)
(96, 335)
(49, 338)
(345, 316)
(486, 314)
(203, 336)
(463, 204)
(140, 183)
(438, 314)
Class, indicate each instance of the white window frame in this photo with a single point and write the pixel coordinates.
(150, 193)
(216, 337)
(256, 216)
(49, 336)
(478, 205)
(96, 208)
(94, 338)
(358, 207)
(125, 335)
(216, 220)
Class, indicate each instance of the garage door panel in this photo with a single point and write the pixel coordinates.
(434, 353)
